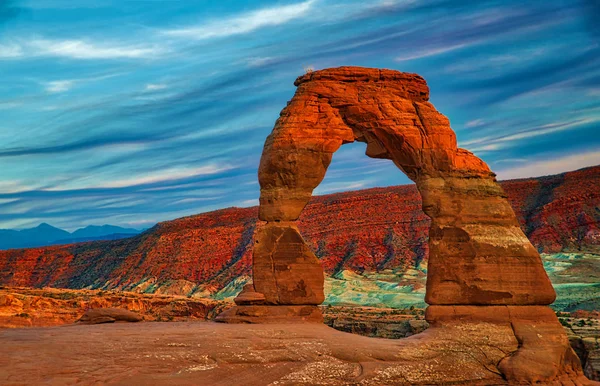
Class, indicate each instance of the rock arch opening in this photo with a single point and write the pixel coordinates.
(478, 254)
(373, 246)
(481, 269)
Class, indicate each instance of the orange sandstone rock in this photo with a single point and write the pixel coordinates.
(286, 271)
(478, 253)
(484, 276)
(109, 315)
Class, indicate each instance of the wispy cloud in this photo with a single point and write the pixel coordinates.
(80, 49)
(142, 148)
(248, 203)
(244, 23)
(261, 61)
(493, 143)
(419, 54)
(155, 86)
(164, 175)
(76, 49)
(339, 187)
(62, 85)
(59, 86)
(10, 51)
(475, 123)
(552, 165)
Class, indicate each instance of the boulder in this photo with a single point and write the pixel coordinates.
(109, 315)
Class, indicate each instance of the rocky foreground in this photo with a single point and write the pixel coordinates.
(30, 307)
(26, 307)
(195, 353)
(583, 328)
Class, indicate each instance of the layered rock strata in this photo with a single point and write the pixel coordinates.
(482, 268)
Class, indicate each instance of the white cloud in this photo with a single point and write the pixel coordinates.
(534, 132)
(547, 129)
(259, 62)
(246, 22)
(338, 187)
(475, 123)
(249, 203)
(510, 160)
(57, 86)
(142, 222)
(483, 148)
(76, 49)
(552, 166)
(79, 49)
(155, 87)
(166, 175)
(7, 187)
(430, 52)
(9, 51)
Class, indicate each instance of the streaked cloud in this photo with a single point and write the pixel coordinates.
(553, 165)
(11, 51)
(166, 175)
(339, 187)
(130, 113)
(77, 49)
(244, 23)
(59, 85)
(155, 86)
(420, 54)
(496, 142)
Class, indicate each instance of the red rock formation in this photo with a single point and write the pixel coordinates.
(285, 270)
(365, 230)
(27, 307)
(109, 315)
(478, 253)
(482, 268)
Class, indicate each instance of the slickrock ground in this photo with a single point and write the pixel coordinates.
(22, 307)
(197, 353)
(582, 327)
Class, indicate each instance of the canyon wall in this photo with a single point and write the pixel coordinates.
(368, 230)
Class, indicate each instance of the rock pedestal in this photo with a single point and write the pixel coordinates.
(481, 265)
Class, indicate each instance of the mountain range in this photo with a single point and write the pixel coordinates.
(372, 244)
(45, 234)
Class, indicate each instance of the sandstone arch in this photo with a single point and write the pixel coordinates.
(478, 253)
(482, 268)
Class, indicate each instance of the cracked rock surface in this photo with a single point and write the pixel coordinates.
(193, 353)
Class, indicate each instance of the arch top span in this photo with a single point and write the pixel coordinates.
(388, 110)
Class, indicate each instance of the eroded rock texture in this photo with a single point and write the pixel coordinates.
(478, 253)
(483, 273)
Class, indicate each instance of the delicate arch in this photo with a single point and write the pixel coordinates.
(483, 274)
(478, 253)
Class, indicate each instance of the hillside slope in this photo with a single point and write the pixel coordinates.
(378, 231)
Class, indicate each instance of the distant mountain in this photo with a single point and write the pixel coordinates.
(45, 234)
(94, 231)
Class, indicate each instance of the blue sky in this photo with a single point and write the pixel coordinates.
(130, 112)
